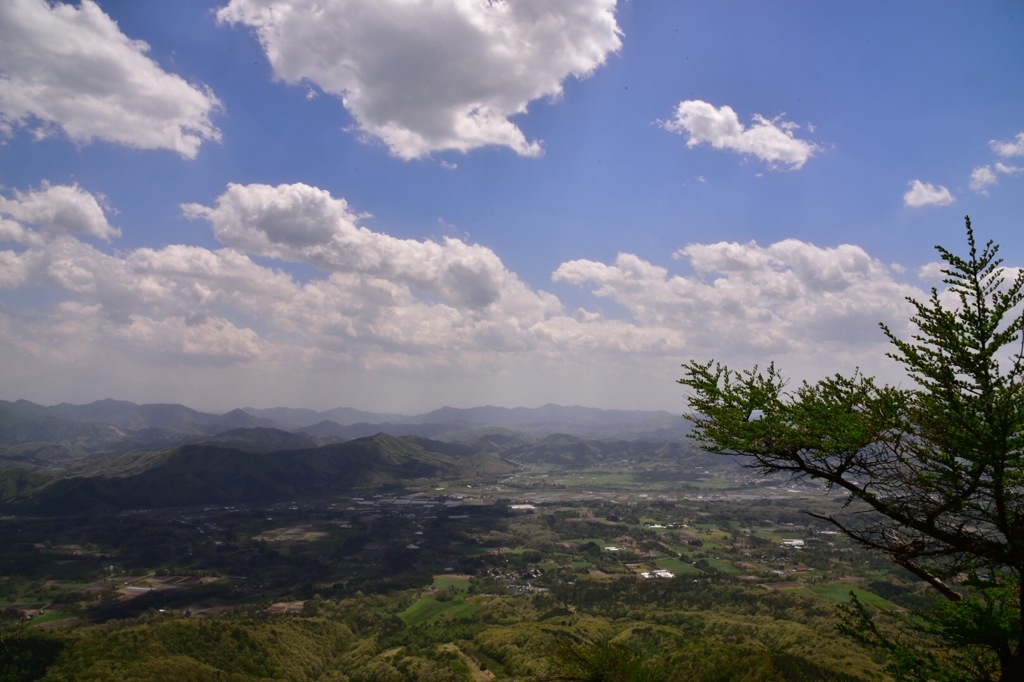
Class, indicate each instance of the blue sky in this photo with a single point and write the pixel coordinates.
(402, 204)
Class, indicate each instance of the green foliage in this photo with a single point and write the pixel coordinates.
(16, 482)
(24, 658)
(933, 474)
(202, 650)
(601, 662)
(648, 654)
(623, 629)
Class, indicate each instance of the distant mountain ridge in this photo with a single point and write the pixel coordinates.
(547, 414)
(291, 418)
(107, 425)
(29, 431)
(211, 473)
(118, 455)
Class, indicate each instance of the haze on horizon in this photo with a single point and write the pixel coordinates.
(398, 205)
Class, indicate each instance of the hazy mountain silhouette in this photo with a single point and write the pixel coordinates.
(210, 473)
(29, 430)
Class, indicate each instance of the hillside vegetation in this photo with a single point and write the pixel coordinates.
(260, 553)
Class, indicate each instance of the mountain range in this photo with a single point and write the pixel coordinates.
(119, 455)
(209, 473)
(50, 433)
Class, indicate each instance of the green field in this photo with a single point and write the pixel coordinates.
(677, 566)
(51, 616)
(429, 608)
(454, 583)
(840, 593)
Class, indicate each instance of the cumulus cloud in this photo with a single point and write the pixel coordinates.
(300, 223)
(770, 140)
(78, 333)
(790, 299)
(195, 340)
(53, 210)
(375, 313)
(927, 194)
(378, 302)
(70, 67)
(1014, 147)
(430, 75)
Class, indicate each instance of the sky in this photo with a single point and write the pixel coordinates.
(398, 205)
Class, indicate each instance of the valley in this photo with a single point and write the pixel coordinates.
(519, 557)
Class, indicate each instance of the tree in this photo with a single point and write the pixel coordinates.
(933, 474)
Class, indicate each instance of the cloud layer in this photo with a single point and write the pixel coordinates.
(447, 313)
(423, 76)
(71, 68)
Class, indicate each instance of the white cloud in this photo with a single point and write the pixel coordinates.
(790, 300)
(15, 269)
(72, 68)
(196, 340)
(426, 75)
(932, 272)
(985, 177)
(926, 194)
(385, 306)
(54, 209)
(80, 333)
(387, 322)
(1014, 147)
(772, 141)
(300, 223)
(982, 178)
